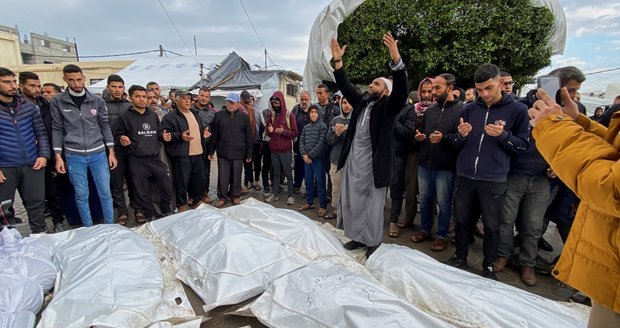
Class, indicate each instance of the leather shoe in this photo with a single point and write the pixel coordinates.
(371, 249)
(527, 276)
(353, 245)
(454, 261)
(544, 245)
(500, 264)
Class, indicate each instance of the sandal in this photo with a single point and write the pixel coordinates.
(140, 218)
(122, 219)
(305, 207)
(257, 186)
(321, 212)
(406, 223)
(439, 244)
(420, 236)
(394, 231)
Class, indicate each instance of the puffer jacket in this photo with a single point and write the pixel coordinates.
(589, 164)
(23, 137)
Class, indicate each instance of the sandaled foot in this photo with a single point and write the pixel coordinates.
(421, 236)
(122, 219)
(140, 218)
(305, 207)
(321, 212)
(406, 223)
(394, 230)
(439, 244)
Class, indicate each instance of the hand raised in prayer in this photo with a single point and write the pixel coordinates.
(337, 51)
(464, 128)
(392, 46)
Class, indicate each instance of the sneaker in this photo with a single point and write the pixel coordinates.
(290, 201)
(59, 227)
(488, 272)
(454, 261)
(272, 199)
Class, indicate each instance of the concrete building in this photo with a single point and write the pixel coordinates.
(34, 48)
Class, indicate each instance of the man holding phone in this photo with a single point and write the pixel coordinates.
(490, 130)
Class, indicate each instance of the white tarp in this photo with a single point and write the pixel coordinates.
(17, 320)
(223, 260)
(465, 299)
(20, 294)
(290, 227)
(325, 28)
(109, 276)
(39, 270)
(332, 293)
(168, 72)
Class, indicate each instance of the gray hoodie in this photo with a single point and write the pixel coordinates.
(335, 141)
(80, 131)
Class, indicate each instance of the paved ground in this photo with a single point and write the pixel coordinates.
(547, 286)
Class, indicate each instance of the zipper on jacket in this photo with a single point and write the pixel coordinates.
(83, 131)
(19, 135)
(486, 118)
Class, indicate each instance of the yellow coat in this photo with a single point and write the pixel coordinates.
(588, 163)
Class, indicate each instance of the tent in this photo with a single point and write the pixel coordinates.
(234, 74)
(168, 72)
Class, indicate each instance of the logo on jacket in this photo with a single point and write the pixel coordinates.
(93, 111)
(146, 126)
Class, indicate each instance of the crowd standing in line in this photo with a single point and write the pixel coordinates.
(464, 155)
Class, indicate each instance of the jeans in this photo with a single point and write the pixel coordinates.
(77, 168)
(490, 197)
(438, 184)
(526, 198)
(316, 169)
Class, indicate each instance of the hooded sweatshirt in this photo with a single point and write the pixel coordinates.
(142, 130)
(482, 156)
(335, 141)
(280, 143)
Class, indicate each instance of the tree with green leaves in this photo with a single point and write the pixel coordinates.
(456, 36)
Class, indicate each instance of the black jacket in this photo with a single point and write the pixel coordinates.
(381, 122)
(404, 131)
(176, 123)
(116, 107)
(231, 135)
(487, 158)
(443, 155)
(142, 130)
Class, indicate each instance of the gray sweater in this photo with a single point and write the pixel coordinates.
(313, 140)
(336, 141)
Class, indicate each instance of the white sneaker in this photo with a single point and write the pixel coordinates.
(290, 201)
(272, 198)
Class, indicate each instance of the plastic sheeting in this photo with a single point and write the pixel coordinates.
(332, 293)
(325, 28)
(109, 277)
(290, 227)
(20, 294)
(17, 320)
(39, 270)
(465, 299)
(223, 260)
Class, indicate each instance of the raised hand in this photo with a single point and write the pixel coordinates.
(464, 128)
(392, 45)
(436, 137)
(337, 51)
(419, 136)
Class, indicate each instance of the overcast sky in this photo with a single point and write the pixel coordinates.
(114, 27)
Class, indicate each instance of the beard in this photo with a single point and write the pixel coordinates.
(441, 99)
(371, 96)
(277, 109)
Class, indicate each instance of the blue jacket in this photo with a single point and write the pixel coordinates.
(487, 158)
(313, 140)
(23, 137)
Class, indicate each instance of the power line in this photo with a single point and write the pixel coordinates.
(101, 56)
(603, 71)
(254, 28)
(178, 32)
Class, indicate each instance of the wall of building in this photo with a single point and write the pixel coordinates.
(9, 49)
(94, 71)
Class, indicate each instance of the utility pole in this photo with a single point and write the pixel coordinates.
(161, 51)
(195, 48)
(77, 56)
(202, 75)
(265, 59)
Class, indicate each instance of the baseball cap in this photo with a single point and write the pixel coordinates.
(233, 97)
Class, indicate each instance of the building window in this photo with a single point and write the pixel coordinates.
(291, 90)
(66, 48)
(44, 43)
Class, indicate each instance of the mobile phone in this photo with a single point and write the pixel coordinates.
(551, 85)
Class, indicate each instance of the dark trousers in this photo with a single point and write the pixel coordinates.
(55, 191)
(258, 157)
(117, 179)
(397, 190)
(145, 170)
(188, 173)
(229, 178)
(249, 168)
(266, 171)
(207, 176)
(299, 169)
(32, 184)
(490, 196)
(282, 161)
